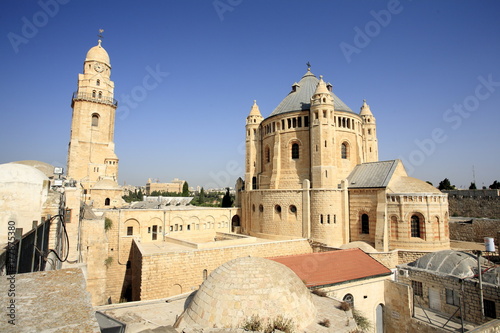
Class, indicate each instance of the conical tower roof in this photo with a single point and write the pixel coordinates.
(255, 111)
(365, 109)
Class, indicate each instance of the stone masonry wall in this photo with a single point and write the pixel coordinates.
(475, 207)
(474, 230)
(168, 274)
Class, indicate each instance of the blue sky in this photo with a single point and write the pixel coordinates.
(430, 70)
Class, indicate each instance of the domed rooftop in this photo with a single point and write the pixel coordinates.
(20, 173)
(248, 286)
(46, 168)
(406, 184)
(299, 99)
(98, 53)
(448, 262)
(363, 246)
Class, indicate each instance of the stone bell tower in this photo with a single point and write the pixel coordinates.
(91, 152)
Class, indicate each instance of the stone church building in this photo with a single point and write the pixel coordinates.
(312, 171)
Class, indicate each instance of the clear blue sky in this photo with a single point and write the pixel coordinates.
(423, 66)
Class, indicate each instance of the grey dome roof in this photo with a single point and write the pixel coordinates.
(300, 99)
(448, 262)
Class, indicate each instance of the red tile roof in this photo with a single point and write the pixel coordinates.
(327, 268)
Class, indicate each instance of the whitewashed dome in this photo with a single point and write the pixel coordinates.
(248, 286)
(98, 53)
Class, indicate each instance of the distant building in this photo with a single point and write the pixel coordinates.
(173, 187)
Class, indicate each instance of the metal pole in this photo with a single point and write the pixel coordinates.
(35, 224)
(461, 301)
(480, 282)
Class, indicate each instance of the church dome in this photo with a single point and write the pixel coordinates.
(106, 184)
(98, 53)
(246, 287)
(299, 99)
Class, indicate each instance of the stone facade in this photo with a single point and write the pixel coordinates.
(299, 161)
(163, 274)
(174, 187)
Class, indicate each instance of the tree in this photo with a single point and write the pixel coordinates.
(445, 185)
(428, 182)
(472, 186)
(185, 189)
(495, 185)
(226, 200)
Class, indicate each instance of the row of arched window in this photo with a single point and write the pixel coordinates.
(416, 226)
(95, 94)
(295, 152)
(277, 208)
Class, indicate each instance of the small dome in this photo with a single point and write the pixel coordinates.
(98, 53)
(363, 246)
(449, 262)
(248, 286)
(20, 173)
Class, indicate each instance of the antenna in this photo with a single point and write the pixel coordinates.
(473, 174)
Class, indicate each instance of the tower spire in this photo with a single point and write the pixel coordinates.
(100, 36)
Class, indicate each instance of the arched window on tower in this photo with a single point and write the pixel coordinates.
(344, 150)
(98, 82)
(365, 224)
(95, 120)
(100, 94)
(295, 151)
(107, 202)
(415, 226)
(93, 93)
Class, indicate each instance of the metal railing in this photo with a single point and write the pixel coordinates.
(93, 98)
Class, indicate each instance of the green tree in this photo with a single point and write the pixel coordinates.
(495, 185)
(445, 185)
(185, 189)
(428, 182)
(226, 200)
(472, 186)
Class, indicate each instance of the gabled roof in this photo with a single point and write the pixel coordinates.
(374, 174)
(300, 99)
(333, 267)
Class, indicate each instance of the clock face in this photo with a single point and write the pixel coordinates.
(98, 67)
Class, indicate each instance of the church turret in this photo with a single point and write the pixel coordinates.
(252, 147)
(322, 127)
(91, 155)
(370, 143)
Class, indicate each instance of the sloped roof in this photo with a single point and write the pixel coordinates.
(328, 268)
(300, 99)
(411, 185)
(374, 174)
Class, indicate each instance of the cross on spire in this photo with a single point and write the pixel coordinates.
(308, 65)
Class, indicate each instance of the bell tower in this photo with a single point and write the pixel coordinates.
(91, 152)
(252, 157)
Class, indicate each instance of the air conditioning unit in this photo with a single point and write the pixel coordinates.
(403, 272)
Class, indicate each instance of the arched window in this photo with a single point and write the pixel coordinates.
(100, 94)
(107, 202)
(98, 82)
(95, 120)
(254, 183)
(93, 93)
(295, 151)
(268, 154)
(365, 224)
(415, 226)
(349, 299)
(205, 274)
(344, 151)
